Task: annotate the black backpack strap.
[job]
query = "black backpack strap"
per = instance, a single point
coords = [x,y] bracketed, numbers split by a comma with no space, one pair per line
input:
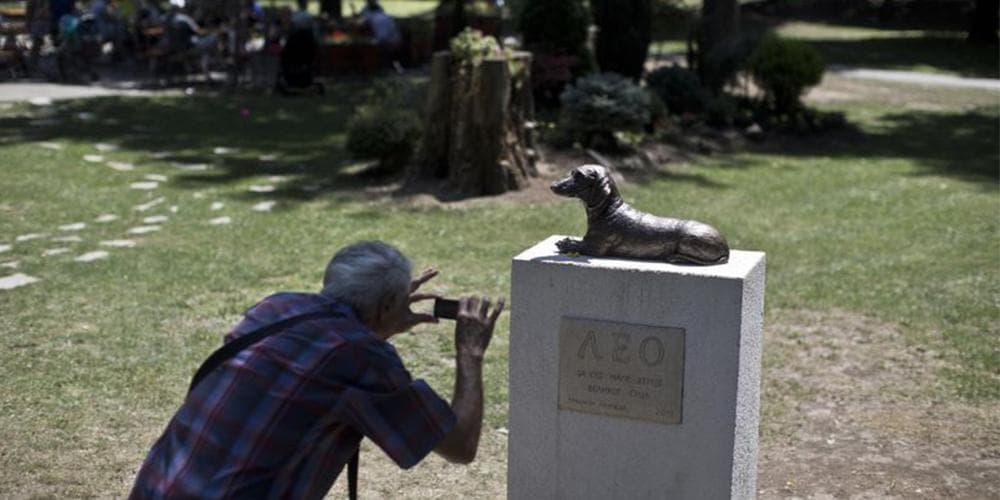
[352,475]
[243,341]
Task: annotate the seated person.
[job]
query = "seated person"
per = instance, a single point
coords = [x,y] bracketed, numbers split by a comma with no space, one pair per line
[383,26]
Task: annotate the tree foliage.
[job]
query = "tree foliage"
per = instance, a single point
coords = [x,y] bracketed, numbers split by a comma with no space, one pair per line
[623,36]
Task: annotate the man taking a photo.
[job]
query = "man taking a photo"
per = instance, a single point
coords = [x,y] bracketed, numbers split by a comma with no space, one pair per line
[282,417]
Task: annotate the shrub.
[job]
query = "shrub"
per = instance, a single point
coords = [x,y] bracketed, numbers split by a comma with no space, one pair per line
[470,46]
[672,19]
[783,69]
[555,26]
[624,30]
[679,88]
[600,104]
[385,129]
[555,31]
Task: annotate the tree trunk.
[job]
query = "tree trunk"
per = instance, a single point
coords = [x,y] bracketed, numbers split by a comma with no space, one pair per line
[477,133]
[331,8]
[720,27]
[624,31]
[985,22]
[432,157]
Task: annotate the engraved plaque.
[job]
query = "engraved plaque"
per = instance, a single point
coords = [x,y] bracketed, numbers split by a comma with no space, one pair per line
[621,370]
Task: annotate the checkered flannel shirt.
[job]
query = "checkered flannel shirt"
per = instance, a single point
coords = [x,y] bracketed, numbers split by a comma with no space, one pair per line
[282,418]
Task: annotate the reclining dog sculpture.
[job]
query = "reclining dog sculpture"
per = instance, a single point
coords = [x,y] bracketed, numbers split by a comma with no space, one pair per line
[615,229]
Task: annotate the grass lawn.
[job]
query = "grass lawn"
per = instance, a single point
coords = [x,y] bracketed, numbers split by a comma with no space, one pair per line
[896,220]
[924,51]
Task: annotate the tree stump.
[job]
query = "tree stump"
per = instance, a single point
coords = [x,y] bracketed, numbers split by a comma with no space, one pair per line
[478,125]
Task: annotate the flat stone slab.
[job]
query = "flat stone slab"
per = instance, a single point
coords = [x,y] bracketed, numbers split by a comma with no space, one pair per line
[55,251]
[121,166]
[30,236]
[150,204]
[16,280]
[264,206]
[119,243]
[145,185]
[143,229]
[218,221]
[92,256]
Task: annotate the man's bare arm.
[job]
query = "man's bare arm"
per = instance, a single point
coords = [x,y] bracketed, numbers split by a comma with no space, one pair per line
[473,331]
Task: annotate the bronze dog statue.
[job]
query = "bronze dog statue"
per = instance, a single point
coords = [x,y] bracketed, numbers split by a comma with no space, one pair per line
[615,229]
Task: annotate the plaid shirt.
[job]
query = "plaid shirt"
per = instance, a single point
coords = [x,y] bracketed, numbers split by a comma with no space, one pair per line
[281,418]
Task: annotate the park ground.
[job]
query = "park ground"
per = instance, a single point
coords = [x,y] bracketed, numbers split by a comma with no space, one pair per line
[882,336]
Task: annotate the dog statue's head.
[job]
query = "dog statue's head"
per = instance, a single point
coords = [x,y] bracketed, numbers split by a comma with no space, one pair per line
[592,184]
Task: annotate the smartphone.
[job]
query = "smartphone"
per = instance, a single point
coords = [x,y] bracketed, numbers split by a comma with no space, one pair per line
[445,308]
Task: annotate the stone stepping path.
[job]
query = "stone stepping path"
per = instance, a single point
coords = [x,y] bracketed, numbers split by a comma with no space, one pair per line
[149,224]
[16,280]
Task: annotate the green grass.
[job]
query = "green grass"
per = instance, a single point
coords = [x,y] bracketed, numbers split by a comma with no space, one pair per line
[897,220]
[911,50]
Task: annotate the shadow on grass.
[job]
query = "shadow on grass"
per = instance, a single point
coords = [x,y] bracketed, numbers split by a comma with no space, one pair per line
[960,145]
[300,138]
[937,52]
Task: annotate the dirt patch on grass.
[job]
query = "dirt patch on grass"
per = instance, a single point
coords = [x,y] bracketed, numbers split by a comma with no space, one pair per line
[379,477]
[851,410]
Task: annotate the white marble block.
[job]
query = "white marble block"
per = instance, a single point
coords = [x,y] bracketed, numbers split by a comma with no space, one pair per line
[633,379]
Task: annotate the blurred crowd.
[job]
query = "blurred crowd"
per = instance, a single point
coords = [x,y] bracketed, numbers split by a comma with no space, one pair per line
[239,39]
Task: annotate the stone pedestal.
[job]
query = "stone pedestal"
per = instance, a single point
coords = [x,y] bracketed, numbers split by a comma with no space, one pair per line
[633,379]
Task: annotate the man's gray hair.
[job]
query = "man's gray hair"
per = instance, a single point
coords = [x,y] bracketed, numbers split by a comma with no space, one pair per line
[362,275]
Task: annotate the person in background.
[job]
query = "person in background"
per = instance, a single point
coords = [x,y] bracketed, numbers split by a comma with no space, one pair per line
[383,27]
[58,9]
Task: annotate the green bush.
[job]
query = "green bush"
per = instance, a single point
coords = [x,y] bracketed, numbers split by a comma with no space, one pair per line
[783,69]
[603,103]
[555,31]
[556,27]
[385,129]
[679,88]
[672,19]
[470,46]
